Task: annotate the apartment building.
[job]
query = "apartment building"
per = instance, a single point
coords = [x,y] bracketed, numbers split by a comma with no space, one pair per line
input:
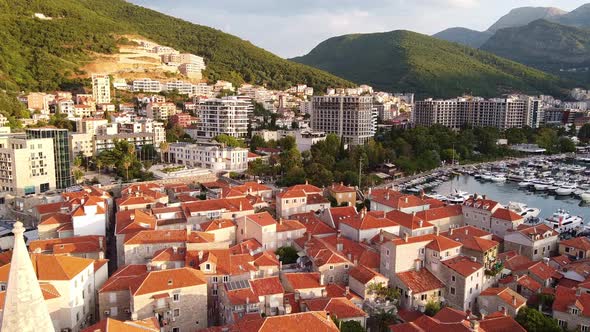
[27,166]
[39,101]
[61,153]
[501,113]
[160,111]
[182,119]
[213,156]
[101,88]
[349,117]
[146,85]
[534,242]
[270,233]
[300,198]
[228,115]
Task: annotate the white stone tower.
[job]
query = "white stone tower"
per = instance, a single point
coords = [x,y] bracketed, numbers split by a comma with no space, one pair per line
[24,307]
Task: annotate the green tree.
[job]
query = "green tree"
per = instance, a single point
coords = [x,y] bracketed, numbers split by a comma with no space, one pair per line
[584,133]
[566,145]
[230,141]
[432,308]
[290,159]
[348,326]
[256,142]
[383,292]
[534,321]
[287,255]
[547,138]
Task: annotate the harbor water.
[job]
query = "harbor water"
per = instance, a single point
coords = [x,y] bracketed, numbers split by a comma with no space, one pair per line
[510,192]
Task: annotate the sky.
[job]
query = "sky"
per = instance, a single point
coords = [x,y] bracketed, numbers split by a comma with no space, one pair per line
[293,28]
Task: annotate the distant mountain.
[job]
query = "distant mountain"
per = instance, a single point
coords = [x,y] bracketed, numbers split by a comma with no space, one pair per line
[47,54]
[579,17]
[525,15]
[464,36]
[515,18]
[408,61]
[544,45]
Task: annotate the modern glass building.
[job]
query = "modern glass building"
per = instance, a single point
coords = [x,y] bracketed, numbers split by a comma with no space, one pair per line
[61,150]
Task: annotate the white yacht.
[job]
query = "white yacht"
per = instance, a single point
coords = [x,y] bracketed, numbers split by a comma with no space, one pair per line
[458,197]
[499,177]
[585,196]
[542,185]
[566,189]
[487,176]
[523,210]
[561,221]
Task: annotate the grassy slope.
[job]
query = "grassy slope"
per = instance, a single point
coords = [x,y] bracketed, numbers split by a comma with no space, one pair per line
[39,55]
[407,61]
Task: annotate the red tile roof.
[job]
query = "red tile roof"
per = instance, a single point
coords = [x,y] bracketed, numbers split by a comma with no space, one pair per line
[460,233]
[365,221]
[507,295]
[505,214]
[262,219]
[440,213]
[313,224]
[420,281]
[164,280]
[479,244]
[341,188]
[227,204]
[51,267]
[441,243]
[407,220]
[500,324]
[541,270]
[486,204]
[241,296]
[463,265]
[78,244]
[363,274]
[580,243]
[450,315]
[217,224]
[303,280]
[395,199]
[113,325]
[123,278]
[566,297]
[245,246]
[156,236]
[341,308]
[267,286]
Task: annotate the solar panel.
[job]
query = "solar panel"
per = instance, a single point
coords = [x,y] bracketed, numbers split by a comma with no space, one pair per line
[241,284]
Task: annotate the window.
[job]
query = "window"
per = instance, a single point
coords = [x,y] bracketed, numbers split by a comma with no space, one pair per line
[176,297]
[176,329]
[434,253]
[584,328]
[176,312]
[214,292]
[470,290]
[562,323]
[423,297]
[346,266]
[453,290]
[215,279]
[207,267]
[453,278]
[387,252]
[331,267]
[575,311]
[536,251]
[225,278]
[421,251]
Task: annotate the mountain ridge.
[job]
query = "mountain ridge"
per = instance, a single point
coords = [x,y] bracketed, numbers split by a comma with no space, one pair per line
[407,61]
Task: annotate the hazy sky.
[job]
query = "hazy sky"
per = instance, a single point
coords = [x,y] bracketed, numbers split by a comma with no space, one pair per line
[291,28]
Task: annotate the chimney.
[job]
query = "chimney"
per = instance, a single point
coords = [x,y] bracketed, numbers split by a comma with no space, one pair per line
[406,199]
[387,196]
[363,212]
[437,231]
[483,316]
[240,205]
[370,191]
[200,255]
[420,223]
[328,316]
[339,234]
[466,231]
[100,255]
[101,242]
[306,182]
[546,260]
[381,236]
[280,221]
[406,236]
[280,266]
[513,300]
[417,265]
[308,236]
[339,246]
[451,231]
[322,281]
[349,255]
[188,230]
[346,290]
[474,325]
[473,259]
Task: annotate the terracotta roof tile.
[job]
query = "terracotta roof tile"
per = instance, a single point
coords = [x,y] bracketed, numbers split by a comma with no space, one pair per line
[363,274]
[580,243]
[395,199]
[303,280]
[163,280]
[441,243]
[341,308]
[267,286]
[156,236]
[505,214]
[463,265]
[440,213]
[507,295]
[420,281]
[407,220]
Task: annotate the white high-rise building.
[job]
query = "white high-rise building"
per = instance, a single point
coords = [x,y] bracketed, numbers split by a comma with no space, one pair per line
[349,117]
[228,115]
[101,88]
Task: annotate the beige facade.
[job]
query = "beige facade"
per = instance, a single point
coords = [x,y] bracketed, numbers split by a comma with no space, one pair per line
[82,144]
[27,166]
[534,246]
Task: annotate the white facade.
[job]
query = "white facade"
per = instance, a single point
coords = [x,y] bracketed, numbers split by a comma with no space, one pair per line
[228,115]
[210,156]
[146,85]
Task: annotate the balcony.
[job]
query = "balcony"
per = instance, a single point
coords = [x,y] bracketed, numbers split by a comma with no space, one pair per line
[161,308]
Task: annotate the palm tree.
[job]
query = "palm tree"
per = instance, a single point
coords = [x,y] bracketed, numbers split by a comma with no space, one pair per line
[127,164]
[164,148]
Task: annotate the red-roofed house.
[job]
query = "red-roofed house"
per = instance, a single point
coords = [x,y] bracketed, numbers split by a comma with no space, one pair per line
[305,285]
[576,248]
[339,307]
[230,208]
[266,230]
[504,220]
[313,224]
[476,243]
[89,246]
[464,277]
[389,200]
[299,199]
[443,217]
[410,224]
[364,225]
[417,288]
[344,195]
[534,242]
[571,309]
[478,212]
[90,218]
[361,279]
[500,299]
